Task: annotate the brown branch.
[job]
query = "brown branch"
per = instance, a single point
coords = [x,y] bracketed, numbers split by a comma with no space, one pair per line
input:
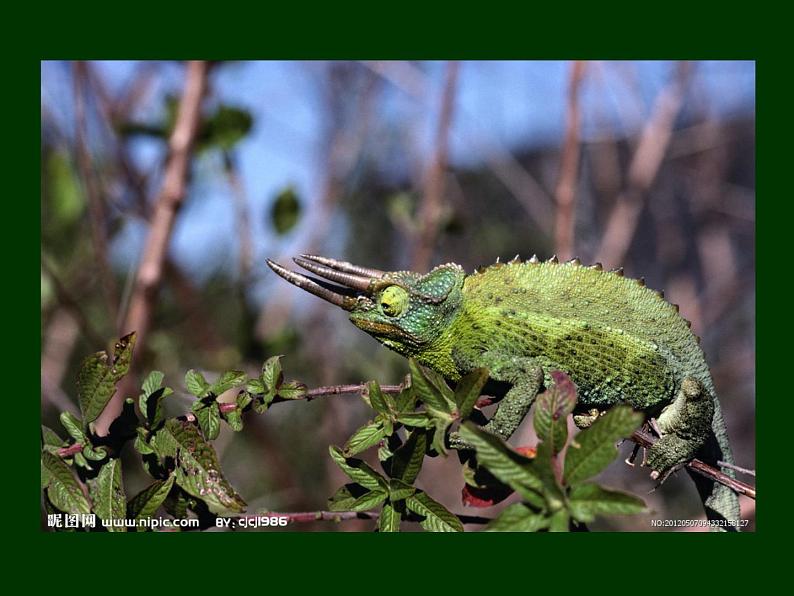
[150,271]
[646,440]
[565,194]
[431,209]
[645,164]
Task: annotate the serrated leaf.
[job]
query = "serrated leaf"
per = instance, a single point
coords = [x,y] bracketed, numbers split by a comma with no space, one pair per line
[365,437]
[272,377]
[97,454]
[234,418]
[552,409]
[63,489]
[151,398]
[209,420]
[142,442]
[560,521]
[99,373]
[148,501]
[416,419]
[74,427]
[358,470]
[439,442]
[292,390]
[51,439]
[255,386]
[505,464]
[518,518]
[594,448]
[382,403]
[107,494]
[196,384]
[368,500]
[229,380]
[399,490]
[429,387]
[405,401]
[468,390]
[436,517]
[344,497]
[408,458]
[198,471]
[588,500]
[389,520]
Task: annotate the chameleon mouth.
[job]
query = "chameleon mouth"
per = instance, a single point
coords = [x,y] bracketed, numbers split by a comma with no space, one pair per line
[351,285]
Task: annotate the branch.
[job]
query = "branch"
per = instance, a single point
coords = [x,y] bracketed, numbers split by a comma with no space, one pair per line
[569,168]
[169,201]
[646,440]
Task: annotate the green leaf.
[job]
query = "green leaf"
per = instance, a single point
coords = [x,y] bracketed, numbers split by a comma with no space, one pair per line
[285,211]
[148,501]
[51,439]
[196,383]
[436,516]
[151,398]
[255,386]
[234,418]
[505,464]
[63,489]
[439,442]
[432,390]
[416,419]
[518,518]
[292,390]
[368,500]
[96,381]
[74,427]
[560,521]
[107,493]
[343,498]
[198,471]
[380,402]
[588,500]
[468,390]
[142,442]
[389,520]
[229,380]
[408,458]
[209,420]
[365,437]
[405,401]
[358,471]
[552,409]
[594,448]
[272,377]
[399,490]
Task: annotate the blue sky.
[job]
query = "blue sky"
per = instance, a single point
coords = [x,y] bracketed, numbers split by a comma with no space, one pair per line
[499,104]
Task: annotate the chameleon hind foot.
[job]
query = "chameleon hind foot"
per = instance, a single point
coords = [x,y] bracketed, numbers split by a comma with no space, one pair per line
[684,426]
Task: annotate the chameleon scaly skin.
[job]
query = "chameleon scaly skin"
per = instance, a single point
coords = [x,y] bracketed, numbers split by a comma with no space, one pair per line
[619,341]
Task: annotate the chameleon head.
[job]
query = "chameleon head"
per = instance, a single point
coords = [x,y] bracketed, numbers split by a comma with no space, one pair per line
[403,310]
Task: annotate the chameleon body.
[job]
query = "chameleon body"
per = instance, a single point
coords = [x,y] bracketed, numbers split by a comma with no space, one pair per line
[619,341]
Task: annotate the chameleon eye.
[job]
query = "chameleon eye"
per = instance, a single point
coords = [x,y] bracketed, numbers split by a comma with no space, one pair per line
[393,301]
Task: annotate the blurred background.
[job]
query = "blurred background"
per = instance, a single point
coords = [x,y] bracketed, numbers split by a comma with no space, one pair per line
[165,185]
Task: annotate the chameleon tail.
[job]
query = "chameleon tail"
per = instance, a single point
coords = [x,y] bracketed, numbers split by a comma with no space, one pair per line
[719,501]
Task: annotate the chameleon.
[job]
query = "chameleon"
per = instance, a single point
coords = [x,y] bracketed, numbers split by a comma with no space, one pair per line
[618,340]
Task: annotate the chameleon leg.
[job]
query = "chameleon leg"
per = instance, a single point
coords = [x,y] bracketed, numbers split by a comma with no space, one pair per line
[526,378]
[685,424]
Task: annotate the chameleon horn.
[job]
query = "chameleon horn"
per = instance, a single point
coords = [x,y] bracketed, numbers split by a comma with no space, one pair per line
[311,286]
[344,266]
[357,282]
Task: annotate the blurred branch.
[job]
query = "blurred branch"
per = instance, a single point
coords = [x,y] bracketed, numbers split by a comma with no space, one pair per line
[645,164]
[96,206]
[431,209]
[565,194]
[167,205]
[243,217]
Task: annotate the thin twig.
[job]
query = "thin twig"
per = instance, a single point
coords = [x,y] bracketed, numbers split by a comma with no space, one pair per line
[432,207]
[741,470]
[172,193]
[645,164]
[569,168]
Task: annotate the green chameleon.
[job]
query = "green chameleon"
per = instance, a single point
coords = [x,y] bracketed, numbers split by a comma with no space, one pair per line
[619,341]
